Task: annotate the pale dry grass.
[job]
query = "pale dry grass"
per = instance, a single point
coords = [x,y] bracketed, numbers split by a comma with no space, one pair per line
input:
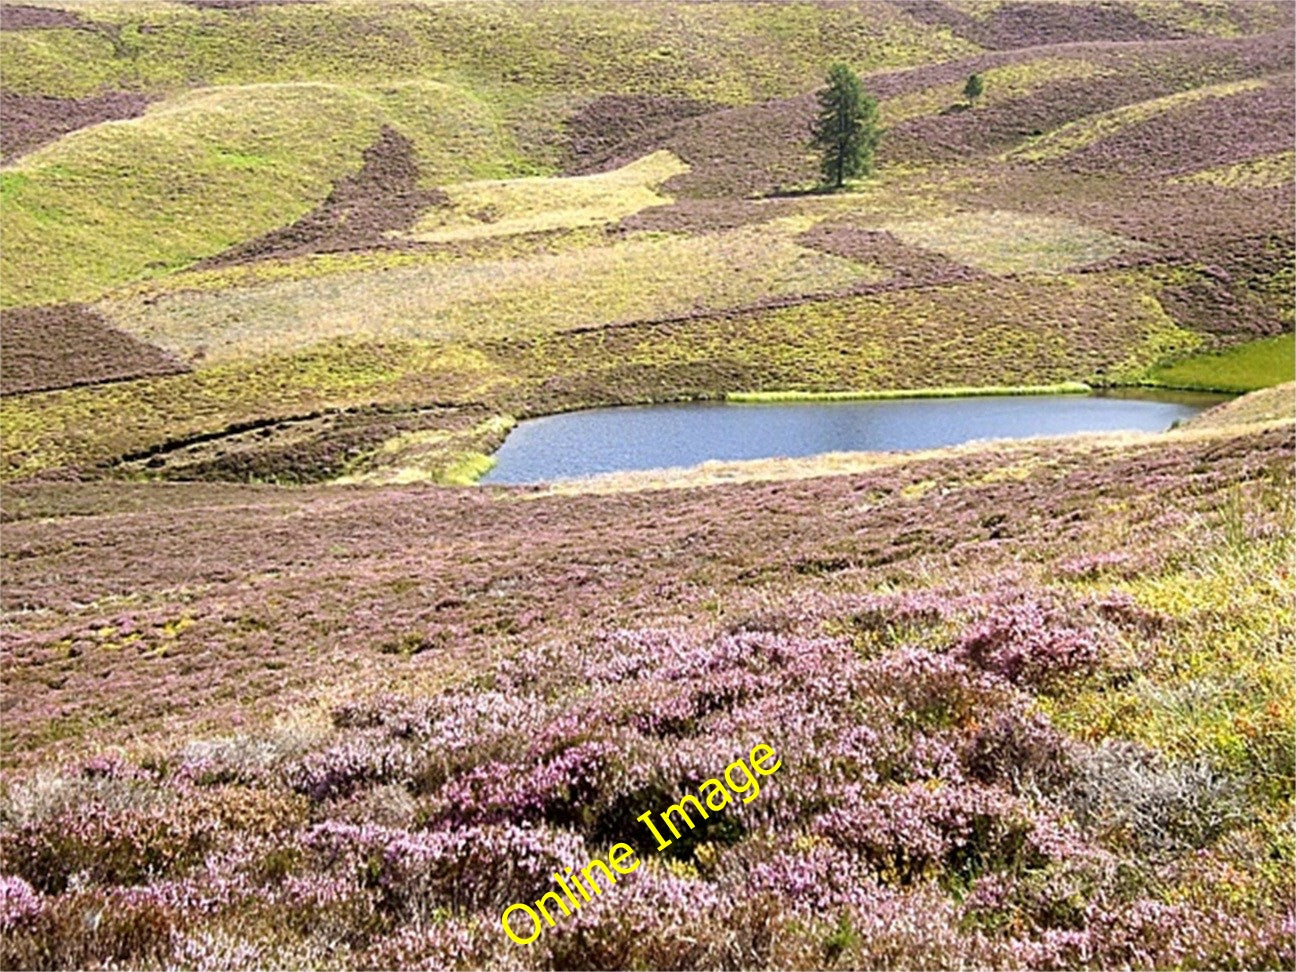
[1265,172]
[643,277]
[1275,404]
[507,207]
[1002,242]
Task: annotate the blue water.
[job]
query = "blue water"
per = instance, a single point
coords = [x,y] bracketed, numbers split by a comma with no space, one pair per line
[657,436]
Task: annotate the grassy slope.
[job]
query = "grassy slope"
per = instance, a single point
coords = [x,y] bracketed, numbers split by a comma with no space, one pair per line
[992,333]
[203,171]
[491,300]
[721,52]
[209,169]
[517,65]
[1085,132]
[635,279]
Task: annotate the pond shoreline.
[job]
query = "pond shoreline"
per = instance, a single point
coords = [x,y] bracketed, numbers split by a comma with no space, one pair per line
[797,424]
[952,391]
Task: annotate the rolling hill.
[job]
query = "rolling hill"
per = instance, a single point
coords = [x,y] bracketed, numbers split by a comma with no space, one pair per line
[472,204]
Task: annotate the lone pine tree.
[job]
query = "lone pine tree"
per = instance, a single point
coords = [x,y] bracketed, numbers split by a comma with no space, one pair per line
[846,128]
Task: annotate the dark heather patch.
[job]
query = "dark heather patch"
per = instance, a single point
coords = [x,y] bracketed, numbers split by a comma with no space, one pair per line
[381,197]
[29,121]
[1235,244]
[1243,293]
[599,128]
[751,150]
[1155,68]
[1147,72]
[220,4]
[953,136]
[62,345]
[908,265]
[1197,136]
[22,17]
[1165,66]
[242,5]
[695,216]
[1138,72]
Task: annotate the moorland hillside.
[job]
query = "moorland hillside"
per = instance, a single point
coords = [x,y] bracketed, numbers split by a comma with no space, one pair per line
[296,242]
[279,692]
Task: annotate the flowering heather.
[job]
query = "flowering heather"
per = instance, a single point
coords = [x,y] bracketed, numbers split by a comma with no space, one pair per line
[983,758]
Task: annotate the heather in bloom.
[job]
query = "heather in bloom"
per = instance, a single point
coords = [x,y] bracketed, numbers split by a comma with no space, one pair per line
[992,752]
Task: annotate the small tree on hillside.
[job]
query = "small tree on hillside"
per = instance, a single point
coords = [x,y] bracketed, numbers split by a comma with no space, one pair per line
[972,90]
[846,128]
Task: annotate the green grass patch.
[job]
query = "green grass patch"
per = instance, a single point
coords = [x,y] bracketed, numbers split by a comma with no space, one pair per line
[467,470]
[1247,367]
[1061,388]
[1217,682]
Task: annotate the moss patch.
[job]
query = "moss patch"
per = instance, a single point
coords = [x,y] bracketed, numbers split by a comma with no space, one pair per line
[1257,364]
